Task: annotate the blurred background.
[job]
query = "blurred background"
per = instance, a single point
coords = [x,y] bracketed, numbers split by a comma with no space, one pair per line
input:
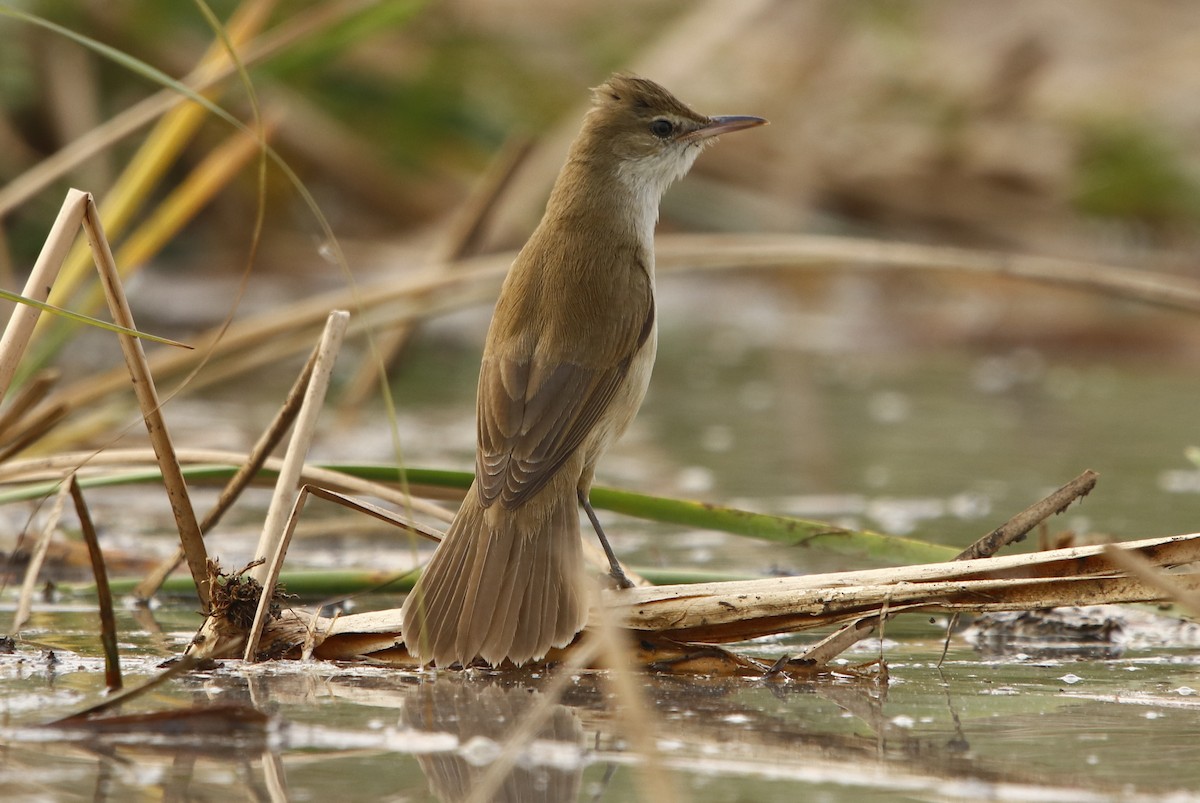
[910,402]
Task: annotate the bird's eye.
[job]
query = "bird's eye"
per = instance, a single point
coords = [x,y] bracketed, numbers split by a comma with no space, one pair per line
[662,128]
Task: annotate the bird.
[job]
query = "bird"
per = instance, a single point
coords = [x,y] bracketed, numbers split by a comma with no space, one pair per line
[565,367]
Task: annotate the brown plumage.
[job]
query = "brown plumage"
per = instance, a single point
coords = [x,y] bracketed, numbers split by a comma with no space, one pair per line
[565,367]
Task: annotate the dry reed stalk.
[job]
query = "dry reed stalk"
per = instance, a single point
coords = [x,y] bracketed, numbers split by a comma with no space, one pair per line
[275,776]
[721,612]
[736,611]
[286,486]
[270,577]
[457,241]
[37,557]
[275,564]
[37,425]
[408,298]
[1012,530]
[246,473]
[723,251]
[29,395]
[108,621]
[377,512]
[24,318]
[1019,525]
[477,280]
[147,396]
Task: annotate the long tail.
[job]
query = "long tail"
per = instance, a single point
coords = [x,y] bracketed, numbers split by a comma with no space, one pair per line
[503,584]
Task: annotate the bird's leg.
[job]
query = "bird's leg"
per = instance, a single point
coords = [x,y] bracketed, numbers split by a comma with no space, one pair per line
[614,566]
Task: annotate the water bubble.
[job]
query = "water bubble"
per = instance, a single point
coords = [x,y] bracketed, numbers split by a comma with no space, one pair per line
[889,407]
[480,751]
[328,252]
[695,479]
[717,438]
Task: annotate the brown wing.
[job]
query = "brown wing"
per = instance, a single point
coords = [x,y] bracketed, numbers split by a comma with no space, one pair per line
[527,432]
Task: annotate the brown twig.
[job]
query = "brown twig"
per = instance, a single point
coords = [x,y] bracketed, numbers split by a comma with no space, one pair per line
[245,474]
[184,664]
[383,514]
[1019,525]
[108,621]
[1012,530]
[147,396]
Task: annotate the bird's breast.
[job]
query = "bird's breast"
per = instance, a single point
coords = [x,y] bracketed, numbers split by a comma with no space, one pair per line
[627,399]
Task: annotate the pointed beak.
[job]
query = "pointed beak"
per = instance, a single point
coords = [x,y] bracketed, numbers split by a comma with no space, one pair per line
[722,125]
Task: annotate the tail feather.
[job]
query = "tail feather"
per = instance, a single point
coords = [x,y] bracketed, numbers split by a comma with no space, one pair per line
[495,632]
[503,584]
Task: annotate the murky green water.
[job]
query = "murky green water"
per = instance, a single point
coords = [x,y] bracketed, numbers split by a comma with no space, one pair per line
[1019,729]
[866,404]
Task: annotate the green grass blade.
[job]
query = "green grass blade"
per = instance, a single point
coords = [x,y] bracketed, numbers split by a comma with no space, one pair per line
[90,321]
[784,530]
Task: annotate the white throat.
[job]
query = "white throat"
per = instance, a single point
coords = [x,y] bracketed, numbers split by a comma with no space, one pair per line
[647,179]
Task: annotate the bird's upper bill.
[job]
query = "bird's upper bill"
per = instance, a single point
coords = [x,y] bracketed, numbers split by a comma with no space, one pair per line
[717,126]
[721,125]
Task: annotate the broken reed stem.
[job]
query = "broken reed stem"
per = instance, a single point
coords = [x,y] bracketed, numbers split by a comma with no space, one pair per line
[1016,528]
[271,577]
[277,531]
[54,251]
[245,474]
[37,558]
[840,640]
[283,500]
[1019,525]
[108,621]
[147,396]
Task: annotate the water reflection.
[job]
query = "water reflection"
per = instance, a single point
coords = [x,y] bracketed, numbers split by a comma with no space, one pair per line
[371,732]
[485,718]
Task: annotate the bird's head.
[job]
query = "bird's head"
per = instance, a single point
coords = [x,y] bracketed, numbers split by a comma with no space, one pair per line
[649,136]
